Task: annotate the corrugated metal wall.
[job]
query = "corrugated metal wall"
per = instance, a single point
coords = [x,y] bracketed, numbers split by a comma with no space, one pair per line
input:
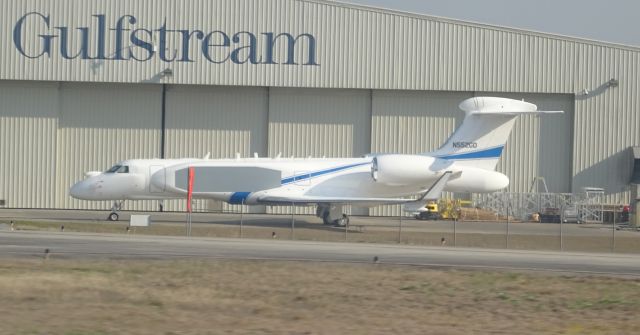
[539,146]
[407,51]
[222,121]
[28,123]
[101,124]
[606,120]
[318,123]
[311,122]
[412,122]
[356,48]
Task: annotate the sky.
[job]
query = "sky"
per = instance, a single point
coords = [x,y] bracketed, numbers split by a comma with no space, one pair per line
[615,21]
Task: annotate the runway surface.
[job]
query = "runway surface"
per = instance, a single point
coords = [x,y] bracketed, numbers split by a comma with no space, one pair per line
[81,245]
[371,223]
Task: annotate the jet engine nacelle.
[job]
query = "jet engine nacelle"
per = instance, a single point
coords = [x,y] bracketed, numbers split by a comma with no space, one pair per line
[398,170]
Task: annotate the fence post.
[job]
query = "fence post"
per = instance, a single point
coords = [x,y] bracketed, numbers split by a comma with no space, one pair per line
[293,221]
[561,221]
[507,234]
[241,216]
[400,226]
[455,220]
[613,230]
[346,229]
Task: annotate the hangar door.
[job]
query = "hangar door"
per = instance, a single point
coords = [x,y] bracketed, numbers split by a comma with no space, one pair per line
[28,123]
[101,124]
[540,146]
[412,122]
[219,120]
[318,122]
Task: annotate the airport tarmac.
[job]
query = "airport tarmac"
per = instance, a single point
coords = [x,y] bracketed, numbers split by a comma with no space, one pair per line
[104,246]
[371,223]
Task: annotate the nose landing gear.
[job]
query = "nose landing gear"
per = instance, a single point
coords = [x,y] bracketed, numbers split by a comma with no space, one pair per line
[117,206]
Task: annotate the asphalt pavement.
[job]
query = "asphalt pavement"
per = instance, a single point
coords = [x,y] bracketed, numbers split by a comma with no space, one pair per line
[371,223]
[106,246]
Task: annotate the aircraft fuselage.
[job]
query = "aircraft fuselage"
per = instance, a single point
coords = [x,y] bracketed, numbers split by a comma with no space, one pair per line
[248,180]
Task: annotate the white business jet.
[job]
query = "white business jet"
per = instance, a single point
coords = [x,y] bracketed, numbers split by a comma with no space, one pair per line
[465,163]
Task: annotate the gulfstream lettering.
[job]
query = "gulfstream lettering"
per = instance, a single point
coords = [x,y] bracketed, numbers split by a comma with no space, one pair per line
[131,42]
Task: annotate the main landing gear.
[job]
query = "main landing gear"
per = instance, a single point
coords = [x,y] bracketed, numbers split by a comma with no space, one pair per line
[332,215]
[113,216]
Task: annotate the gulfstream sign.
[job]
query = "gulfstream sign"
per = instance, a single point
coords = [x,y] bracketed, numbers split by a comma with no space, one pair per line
[130,42]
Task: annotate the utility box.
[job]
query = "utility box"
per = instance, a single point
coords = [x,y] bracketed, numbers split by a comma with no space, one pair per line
[140,221]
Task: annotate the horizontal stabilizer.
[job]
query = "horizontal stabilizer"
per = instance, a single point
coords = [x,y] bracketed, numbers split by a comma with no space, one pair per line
[435,191]
[513,113]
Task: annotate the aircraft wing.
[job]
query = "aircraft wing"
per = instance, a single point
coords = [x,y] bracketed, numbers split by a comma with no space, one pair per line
[308,200]
[433,192]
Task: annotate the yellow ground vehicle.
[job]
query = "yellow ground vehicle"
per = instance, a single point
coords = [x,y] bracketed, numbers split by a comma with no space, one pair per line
[443,210]
[431,213]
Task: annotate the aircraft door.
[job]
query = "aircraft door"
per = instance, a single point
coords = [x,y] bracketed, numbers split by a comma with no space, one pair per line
[157,179]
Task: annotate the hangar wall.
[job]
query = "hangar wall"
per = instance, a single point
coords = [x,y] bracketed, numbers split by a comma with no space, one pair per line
[540,146]
[221,121]
[318,123]
[98,125]
[28,123]
[340,47]
[92,126]
[412,122]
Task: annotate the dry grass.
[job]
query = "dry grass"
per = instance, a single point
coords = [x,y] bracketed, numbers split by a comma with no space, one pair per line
[318,232]
[248,297]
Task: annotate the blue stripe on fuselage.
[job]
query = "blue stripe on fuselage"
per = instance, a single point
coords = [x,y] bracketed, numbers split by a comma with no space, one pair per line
[239,197]
[486,153]
[305,176]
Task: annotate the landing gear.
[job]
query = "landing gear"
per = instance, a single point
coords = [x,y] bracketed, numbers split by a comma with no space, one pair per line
[343,221]
[332,215]
[113,216]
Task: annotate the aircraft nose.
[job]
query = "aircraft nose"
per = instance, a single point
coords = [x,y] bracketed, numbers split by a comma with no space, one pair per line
[79,190]
[75,190]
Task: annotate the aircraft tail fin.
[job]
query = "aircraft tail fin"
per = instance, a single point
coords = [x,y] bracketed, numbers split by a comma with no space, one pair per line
[481,138]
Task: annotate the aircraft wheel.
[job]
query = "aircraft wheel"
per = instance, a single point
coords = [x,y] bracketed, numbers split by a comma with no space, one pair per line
[113,217]
[343,221]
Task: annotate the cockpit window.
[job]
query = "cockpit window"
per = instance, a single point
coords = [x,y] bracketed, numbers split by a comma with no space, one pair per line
[114,169]
[118,169]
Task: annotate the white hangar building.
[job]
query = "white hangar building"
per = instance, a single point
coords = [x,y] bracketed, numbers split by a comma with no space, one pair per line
[86,83]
